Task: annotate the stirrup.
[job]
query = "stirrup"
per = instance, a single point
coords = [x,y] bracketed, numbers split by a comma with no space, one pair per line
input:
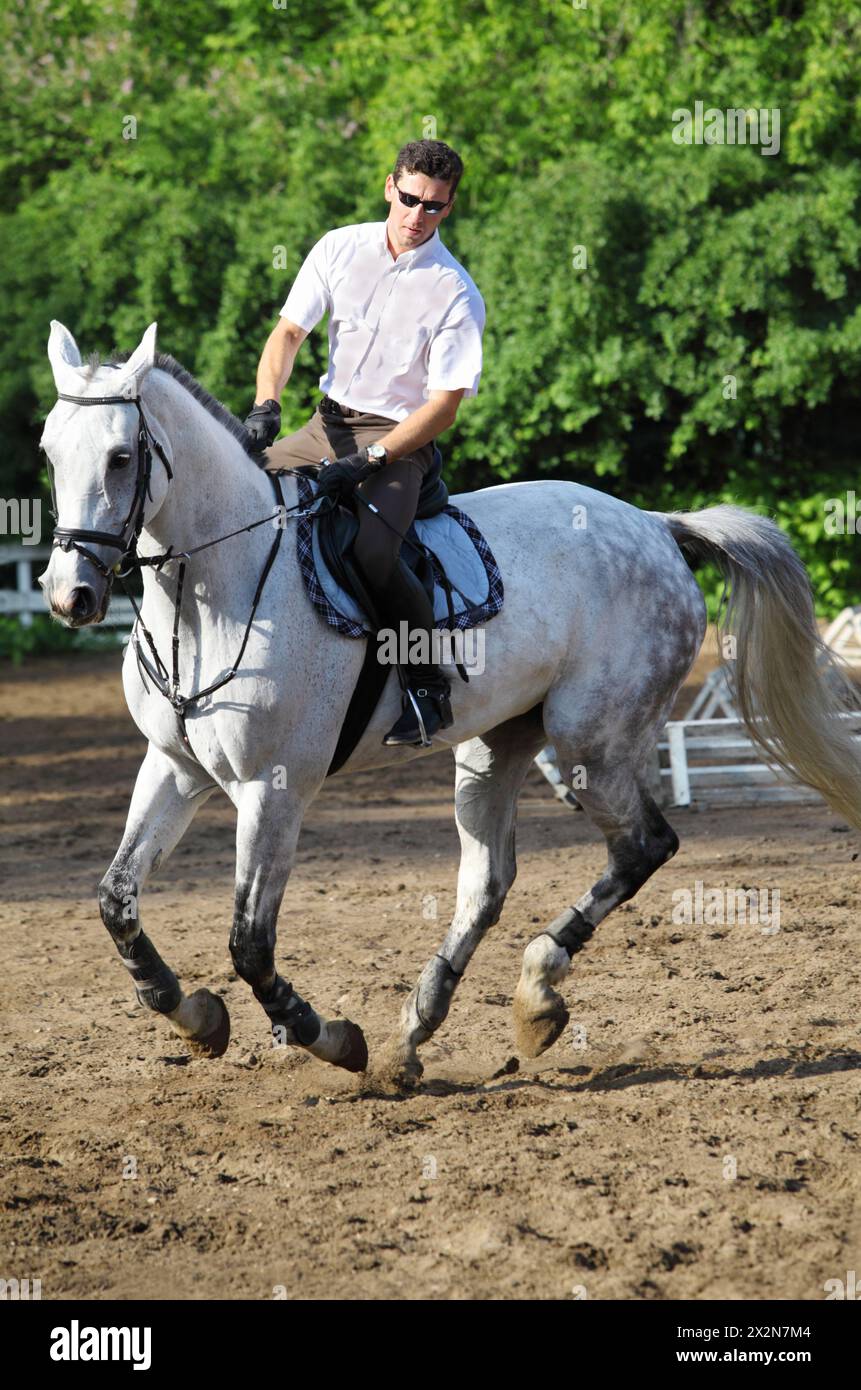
[417,710]
[404,730]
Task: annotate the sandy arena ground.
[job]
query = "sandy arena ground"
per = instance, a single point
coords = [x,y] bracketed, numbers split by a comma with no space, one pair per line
[697,1136]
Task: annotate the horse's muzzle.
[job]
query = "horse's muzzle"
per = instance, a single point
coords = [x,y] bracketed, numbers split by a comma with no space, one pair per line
[78,606]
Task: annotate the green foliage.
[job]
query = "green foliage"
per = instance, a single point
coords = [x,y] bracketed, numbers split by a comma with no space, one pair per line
[44,635]
[709,348]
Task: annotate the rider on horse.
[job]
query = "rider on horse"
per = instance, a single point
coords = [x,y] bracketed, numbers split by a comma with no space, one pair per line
[405,332]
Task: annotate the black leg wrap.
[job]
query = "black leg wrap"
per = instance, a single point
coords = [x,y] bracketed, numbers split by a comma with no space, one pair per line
[437,985]
[155,984]
[286,1009]
[571,930]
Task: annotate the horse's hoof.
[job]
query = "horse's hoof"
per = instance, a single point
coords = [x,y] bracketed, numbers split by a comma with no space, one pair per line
[405,1075]
[213,1034]
[353,1050]
[393,1068]
[534,1033]
[409,1075]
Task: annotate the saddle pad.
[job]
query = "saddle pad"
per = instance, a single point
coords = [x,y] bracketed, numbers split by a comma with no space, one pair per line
[456,544]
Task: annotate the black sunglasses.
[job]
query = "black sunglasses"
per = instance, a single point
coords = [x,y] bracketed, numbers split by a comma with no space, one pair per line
[410,201]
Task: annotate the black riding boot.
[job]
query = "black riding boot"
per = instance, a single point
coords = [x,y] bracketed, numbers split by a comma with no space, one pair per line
[426,707]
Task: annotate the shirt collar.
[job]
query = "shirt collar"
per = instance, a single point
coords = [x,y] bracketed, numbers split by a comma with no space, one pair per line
[427,248]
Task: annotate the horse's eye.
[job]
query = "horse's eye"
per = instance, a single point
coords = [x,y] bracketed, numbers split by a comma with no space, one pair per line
[118,460]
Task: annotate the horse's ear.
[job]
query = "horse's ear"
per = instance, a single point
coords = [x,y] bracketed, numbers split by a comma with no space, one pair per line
[64,358]
[139,364]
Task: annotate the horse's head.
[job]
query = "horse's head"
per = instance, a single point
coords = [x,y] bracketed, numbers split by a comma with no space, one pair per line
[111,469]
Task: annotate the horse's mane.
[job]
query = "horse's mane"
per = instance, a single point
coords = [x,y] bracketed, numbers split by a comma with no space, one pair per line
[166,363]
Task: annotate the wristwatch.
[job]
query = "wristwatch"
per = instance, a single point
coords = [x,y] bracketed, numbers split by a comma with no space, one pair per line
[376,455]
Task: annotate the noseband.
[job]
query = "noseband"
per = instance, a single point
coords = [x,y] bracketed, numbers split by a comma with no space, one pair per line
[125,540]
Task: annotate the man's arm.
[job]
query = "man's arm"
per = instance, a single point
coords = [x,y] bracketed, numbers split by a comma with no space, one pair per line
[276,362]
[431,419]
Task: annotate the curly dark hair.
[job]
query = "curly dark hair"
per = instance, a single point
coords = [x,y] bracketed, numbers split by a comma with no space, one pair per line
[431,157]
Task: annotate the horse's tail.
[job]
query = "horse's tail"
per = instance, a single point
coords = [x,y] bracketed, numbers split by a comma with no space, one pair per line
[787,684]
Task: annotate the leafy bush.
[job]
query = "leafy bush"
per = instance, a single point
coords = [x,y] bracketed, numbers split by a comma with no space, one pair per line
[44,635]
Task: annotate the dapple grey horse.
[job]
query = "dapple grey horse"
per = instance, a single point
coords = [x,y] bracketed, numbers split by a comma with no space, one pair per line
[601,622]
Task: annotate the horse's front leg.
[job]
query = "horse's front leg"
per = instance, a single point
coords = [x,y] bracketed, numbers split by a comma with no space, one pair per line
[166,797]
[267,831]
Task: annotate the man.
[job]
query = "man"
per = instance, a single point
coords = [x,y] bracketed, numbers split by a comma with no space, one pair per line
[405,326]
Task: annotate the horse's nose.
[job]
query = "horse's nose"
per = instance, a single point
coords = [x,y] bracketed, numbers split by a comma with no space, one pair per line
[78,605]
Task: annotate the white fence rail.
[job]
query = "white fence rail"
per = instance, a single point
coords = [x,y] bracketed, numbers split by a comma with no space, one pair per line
[844,635]
[715,762]
[708,762]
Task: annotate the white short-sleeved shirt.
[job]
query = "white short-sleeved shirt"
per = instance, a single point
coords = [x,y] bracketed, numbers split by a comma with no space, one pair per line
[398,329]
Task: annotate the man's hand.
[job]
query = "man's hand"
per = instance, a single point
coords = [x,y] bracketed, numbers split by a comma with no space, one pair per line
[263,424]
[341,478]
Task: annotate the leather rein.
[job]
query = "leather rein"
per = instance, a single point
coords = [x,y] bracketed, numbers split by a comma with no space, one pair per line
[125,541]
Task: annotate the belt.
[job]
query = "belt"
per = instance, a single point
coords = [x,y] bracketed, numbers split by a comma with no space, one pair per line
[330,407]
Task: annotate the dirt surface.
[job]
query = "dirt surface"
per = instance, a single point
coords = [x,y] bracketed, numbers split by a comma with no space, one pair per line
[693,1134]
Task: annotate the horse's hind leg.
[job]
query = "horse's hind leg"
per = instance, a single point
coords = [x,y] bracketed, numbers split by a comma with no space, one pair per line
[489,774]
[266,834]
[639,840]
[166,797]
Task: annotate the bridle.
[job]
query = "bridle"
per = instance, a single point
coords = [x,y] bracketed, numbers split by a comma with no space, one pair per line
[125,541]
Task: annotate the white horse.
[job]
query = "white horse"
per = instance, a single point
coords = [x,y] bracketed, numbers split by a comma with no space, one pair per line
[601,623]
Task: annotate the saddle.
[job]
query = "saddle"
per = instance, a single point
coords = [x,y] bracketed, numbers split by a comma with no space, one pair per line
[337,530]
[336,587]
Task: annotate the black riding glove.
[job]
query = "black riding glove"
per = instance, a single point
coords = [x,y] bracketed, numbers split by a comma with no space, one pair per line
[341,478]
[263,424]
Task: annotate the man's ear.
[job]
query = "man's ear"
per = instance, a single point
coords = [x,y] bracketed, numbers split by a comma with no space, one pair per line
[390,188]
